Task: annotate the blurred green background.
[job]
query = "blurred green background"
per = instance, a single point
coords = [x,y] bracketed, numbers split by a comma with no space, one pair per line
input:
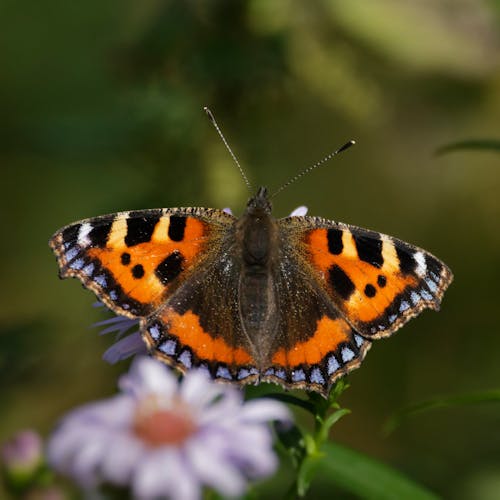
[102,110]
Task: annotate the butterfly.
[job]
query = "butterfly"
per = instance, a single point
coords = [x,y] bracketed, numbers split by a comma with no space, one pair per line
[295,301]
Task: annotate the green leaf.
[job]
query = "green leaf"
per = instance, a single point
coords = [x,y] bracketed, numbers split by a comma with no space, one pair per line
[336,391]
[470,145]
[367,478]
[307,472]
[442,402]
[332,419]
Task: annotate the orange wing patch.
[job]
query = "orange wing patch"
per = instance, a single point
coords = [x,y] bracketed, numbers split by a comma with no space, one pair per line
[130,260]
[145,270]
[330,333]
[187,331]
[333,350]
[376,281]
[361,289]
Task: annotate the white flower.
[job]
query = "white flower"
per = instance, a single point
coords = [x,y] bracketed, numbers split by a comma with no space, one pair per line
[162,438]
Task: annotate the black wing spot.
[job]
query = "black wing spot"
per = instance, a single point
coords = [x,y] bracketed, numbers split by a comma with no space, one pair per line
[70,234]
[381,280]
[434,267]
[407,264]
[370,290]
[340,282]
[170,268]
[335,245]
[98,235]
[138,271]
[125,258]
[140,227]
[176,227]
[369,248]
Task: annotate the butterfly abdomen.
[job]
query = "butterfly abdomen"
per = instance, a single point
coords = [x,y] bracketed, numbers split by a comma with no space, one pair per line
[256,238]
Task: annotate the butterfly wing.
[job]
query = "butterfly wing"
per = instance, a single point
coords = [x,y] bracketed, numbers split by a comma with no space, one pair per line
[200,324]
[314,344]
[174,269]
[339,287]
[133,260]
[375,281]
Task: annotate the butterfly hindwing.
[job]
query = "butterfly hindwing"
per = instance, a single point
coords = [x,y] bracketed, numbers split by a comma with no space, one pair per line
[199,324]
[132,260]
[376,282]
[313,344]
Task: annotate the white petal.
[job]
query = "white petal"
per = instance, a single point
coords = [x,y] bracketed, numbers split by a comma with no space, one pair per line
[84,423]
[152,478]
[116,324]
[264,410]
[115,411]
[198,390]
[126,347]
[112,320]
[226,408]
[252,448]
[214,471]
[249,445]
[247,449]
[61,445]
[186,485]
[299,211]
[147,376]
[86,461]
[121,457]
[195,386]
[162,474]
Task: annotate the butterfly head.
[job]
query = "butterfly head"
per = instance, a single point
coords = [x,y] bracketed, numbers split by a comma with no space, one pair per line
[260,203]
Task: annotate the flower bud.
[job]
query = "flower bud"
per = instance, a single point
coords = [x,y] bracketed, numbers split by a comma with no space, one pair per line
[21,457]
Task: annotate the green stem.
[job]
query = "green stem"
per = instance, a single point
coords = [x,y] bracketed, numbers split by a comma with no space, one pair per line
[327,412]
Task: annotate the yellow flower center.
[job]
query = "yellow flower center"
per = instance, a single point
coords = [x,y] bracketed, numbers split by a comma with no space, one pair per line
[158,424]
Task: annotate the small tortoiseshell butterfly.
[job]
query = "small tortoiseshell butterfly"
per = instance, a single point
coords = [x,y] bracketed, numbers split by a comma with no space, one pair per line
[295,301]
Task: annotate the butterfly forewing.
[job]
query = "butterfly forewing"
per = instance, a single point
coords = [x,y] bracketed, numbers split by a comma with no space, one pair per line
[132,260]
[377,282]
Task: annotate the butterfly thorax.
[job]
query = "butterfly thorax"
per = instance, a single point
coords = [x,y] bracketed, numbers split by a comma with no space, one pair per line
[257,231]
[257,241]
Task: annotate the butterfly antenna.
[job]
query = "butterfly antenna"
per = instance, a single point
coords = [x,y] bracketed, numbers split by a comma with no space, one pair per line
[233,156]
[347,145]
